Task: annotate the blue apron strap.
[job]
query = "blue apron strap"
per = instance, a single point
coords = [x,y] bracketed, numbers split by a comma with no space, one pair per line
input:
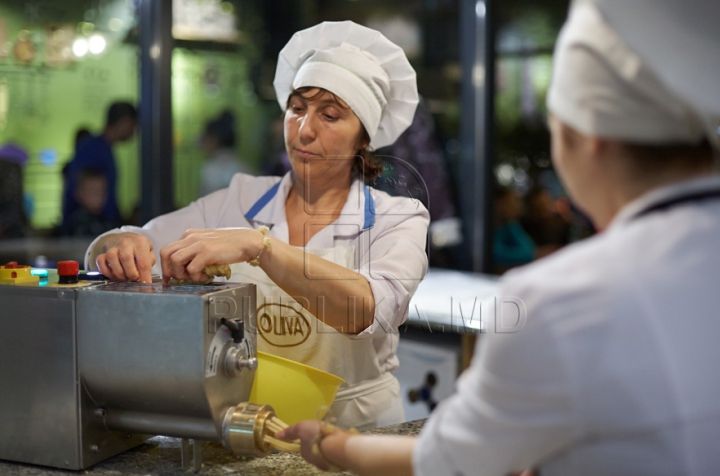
[369,209]
[262,201]
[368,222]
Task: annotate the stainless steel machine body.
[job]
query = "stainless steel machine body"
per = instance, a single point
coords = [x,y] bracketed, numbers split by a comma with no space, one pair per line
[89,372]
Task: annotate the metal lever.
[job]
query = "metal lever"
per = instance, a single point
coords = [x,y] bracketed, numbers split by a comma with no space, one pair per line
[237,328]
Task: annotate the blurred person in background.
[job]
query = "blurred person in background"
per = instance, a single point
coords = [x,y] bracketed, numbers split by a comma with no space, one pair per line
[415,167]
[615,369]
[82,134]
[221,160]
[542,221]
[96,152]
[91,196]
[511,246]
[13,222]
[276,161]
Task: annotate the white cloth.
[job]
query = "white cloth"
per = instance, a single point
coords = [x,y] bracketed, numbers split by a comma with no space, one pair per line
[602,88]
[615,372]
[390,254]
[362,67]
[219,169]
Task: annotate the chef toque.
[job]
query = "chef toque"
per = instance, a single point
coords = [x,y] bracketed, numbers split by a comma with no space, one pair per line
[603,88]
[360,66]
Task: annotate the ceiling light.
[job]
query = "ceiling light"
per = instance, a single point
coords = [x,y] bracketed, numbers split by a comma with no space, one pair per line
[97,44]
[80,47]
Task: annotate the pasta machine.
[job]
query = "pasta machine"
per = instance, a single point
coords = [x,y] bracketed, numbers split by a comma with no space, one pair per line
[89,369]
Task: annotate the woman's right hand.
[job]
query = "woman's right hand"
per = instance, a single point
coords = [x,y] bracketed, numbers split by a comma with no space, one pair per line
[127,257]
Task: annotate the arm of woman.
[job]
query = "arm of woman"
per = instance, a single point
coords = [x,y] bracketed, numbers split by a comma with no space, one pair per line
[376,455]
[131,253]
[372,299]
[341,293]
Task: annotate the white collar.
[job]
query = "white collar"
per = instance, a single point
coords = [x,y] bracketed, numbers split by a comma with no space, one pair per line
[662,194]
[358,211]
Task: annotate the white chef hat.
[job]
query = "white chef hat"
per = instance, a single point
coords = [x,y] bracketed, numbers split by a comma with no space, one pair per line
[359,65]
[603,88]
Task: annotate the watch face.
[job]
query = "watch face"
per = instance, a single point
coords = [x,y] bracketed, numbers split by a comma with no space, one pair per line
[24,51]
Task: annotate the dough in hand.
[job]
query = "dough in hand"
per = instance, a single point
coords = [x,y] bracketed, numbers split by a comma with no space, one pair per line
[211,271]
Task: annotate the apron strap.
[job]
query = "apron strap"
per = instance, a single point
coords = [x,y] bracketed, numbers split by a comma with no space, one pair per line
[262,201]
[368,221]
[369,209]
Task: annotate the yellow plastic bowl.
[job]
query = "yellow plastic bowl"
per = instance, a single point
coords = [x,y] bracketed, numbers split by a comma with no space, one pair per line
[296,391]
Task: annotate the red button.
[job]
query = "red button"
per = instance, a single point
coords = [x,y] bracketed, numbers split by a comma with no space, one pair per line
[11,265]
[68,268]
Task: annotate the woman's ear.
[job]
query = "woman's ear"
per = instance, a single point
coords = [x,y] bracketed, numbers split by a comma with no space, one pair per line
[362,143]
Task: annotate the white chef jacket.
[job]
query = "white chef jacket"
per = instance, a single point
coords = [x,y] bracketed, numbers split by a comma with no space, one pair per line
[388,233]
[616,369]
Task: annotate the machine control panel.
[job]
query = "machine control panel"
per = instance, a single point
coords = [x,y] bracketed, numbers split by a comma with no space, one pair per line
[17,275]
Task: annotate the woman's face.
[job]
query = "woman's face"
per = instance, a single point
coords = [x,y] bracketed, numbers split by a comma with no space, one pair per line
[321,136]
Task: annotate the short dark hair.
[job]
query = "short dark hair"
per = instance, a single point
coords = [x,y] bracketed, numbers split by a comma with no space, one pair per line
[223,128]
[80,136]
[119,110]
[89,173]
[646,157]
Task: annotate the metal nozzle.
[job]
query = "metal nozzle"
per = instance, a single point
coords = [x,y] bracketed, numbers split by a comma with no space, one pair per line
[244,428]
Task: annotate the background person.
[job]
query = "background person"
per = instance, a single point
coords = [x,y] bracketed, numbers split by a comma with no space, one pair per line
[91,196]
[96,152]
[82,134]
[350,256]
[614,371]
[512,246]
[415,167]
[221,161]
[13,222]
[542,221]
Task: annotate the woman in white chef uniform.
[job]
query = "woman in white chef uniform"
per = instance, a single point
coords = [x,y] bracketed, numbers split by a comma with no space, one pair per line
[350,256]
[615,371]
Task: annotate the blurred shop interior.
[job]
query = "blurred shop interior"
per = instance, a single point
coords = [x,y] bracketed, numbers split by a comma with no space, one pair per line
[477,153]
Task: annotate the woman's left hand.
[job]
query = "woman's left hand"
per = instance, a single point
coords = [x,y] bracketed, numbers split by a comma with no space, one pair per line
[186,258]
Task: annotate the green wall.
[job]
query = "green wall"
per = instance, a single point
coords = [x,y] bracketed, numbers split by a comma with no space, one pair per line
[46,105]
